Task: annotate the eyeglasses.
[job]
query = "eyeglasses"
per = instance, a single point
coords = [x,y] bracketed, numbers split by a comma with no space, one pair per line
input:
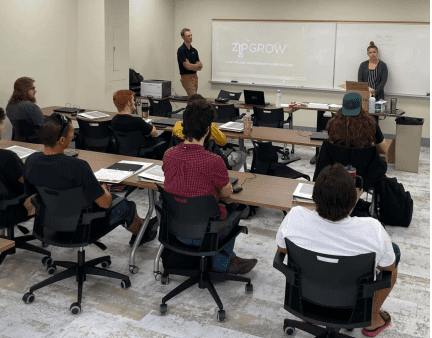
[64,122]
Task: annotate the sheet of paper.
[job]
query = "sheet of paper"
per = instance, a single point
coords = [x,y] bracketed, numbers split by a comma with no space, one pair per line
[21,151]
[154,173]
[304,190]
[93,115]
[236,126]
[335,105]
[147,120]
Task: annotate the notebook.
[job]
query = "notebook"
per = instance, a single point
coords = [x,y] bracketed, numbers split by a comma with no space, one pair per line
[68,110]
[120,171]
[303,193]
[155,173]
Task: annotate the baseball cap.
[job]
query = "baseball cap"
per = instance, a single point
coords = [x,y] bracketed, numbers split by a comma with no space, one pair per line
[351,104]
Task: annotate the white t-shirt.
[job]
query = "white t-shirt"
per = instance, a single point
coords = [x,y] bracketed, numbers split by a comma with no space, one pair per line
[350,236]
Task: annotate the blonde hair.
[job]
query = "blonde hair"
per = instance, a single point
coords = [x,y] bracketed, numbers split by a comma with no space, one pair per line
[184,30]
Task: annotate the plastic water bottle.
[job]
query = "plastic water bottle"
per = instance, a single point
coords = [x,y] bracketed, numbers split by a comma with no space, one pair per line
[278,98]
[371,105]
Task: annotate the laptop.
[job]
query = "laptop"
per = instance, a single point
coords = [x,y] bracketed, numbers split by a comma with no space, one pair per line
[254,98]
[165,122]
[69,110]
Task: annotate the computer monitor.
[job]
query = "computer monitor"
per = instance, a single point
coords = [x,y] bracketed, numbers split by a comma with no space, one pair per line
[254,97]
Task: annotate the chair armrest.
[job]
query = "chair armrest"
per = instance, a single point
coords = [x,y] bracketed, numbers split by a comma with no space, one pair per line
[278,264]
[14,201]
[384,283]
[227,152]
[151,148]
[88,217]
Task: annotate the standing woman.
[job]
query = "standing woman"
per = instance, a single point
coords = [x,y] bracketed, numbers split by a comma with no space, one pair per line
[374,72]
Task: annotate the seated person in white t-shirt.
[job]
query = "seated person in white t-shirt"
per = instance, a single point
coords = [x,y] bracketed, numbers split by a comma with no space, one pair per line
[330,230]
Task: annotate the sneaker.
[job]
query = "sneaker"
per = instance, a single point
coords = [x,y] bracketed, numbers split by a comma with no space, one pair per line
[240,266]
[149,234]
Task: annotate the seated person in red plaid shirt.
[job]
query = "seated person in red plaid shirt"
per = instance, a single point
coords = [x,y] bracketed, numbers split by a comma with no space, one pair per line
[192,171]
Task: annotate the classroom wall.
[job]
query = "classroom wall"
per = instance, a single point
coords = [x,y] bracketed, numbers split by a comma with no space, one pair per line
[152,38]
[198,14]
[39,40]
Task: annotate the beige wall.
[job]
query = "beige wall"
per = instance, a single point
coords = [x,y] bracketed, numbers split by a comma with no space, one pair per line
[198,14]
[153,39]
[39,39]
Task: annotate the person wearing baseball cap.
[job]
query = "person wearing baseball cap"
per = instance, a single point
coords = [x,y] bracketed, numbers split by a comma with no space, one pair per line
[351,126]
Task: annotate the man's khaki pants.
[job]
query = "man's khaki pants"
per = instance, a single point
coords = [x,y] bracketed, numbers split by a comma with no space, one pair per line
[190,83]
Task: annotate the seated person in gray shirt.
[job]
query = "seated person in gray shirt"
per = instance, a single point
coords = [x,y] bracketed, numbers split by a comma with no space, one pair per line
[22,105]
[53,169]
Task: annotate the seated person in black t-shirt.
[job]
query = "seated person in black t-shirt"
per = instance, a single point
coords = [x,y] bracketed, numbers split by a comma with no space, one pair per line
[124,121]
[12,177]
[351,126]
[53,169]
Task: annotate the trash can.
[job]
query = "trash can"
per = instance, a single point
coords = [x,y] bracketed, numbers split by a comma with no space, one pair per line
[408,139]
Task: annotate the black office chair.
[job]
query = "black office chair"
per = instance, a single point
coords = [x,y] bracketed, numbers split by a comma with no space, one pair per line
[25,131]
[273,118]
[163,107]
[227,112]
[93,135]
[64,219]
[333,291]
[134,143]
[196,218]
[235,96]
[13,212]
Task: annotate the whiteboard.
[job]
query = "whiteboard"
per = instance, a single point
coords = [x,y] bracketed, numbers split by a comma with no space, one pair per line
[276,53]
[405,48]
[319,55]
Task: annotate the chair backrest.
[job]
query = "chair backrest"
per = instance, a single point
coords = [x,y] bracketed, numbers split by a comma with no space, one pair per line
[264,154]
[94,135]
[187,217]
[129,142]
[367,161]
[265,117]
[60,210]
[25,131]
[229,95]
[160,107]
[225,112]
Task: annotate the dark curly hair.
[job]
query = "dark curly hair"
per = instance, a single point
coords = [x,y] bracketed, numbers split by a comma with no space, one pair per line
[2,115]
[352,131]
[334,193]
[197,119]
[21,89]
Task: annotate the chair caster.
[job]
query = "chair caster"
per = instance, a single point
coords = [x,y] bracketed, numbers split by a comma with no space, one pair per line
[106,264]
[51,269]
[125,283]
[289,330]
[133,269]
[292,151]
[44,245]
[249,288]
[47,260]
[165,279]
[163,309]
[28,297]
[221,315]
[75,308]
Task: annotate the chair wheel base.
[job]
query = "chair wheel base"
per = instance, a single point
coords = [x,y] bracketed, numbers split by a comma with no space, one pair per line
[289,330]
[75,308]
[28,297]
[125,283]
[47,260]
[163,309]
[249,288]
[221,315]
[133,269]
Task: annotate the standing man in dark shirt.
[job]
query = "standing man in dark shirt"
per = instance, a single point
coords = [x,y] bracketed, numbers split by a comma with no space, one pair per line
[189,63]
[22,105]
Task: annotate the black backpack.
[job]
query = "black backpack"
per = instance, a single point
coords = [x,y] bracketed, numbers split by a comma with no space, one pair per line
[394,204]
[135,78]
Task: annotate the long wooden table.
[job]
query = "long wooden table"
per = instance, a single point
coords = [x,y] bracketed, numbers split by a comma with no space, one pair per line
[258,190]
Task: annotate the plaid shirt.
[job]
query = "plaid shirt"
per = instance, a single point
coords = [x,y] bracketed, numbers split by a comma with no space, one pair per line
[192,171]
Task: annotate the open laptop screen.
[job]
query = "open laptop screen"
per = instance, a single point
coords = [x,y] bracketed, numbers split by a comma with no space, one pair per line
[254,97]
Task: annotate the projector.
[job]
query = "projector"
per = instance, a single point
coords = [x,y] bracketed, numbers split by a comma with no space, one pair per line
[156,88]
